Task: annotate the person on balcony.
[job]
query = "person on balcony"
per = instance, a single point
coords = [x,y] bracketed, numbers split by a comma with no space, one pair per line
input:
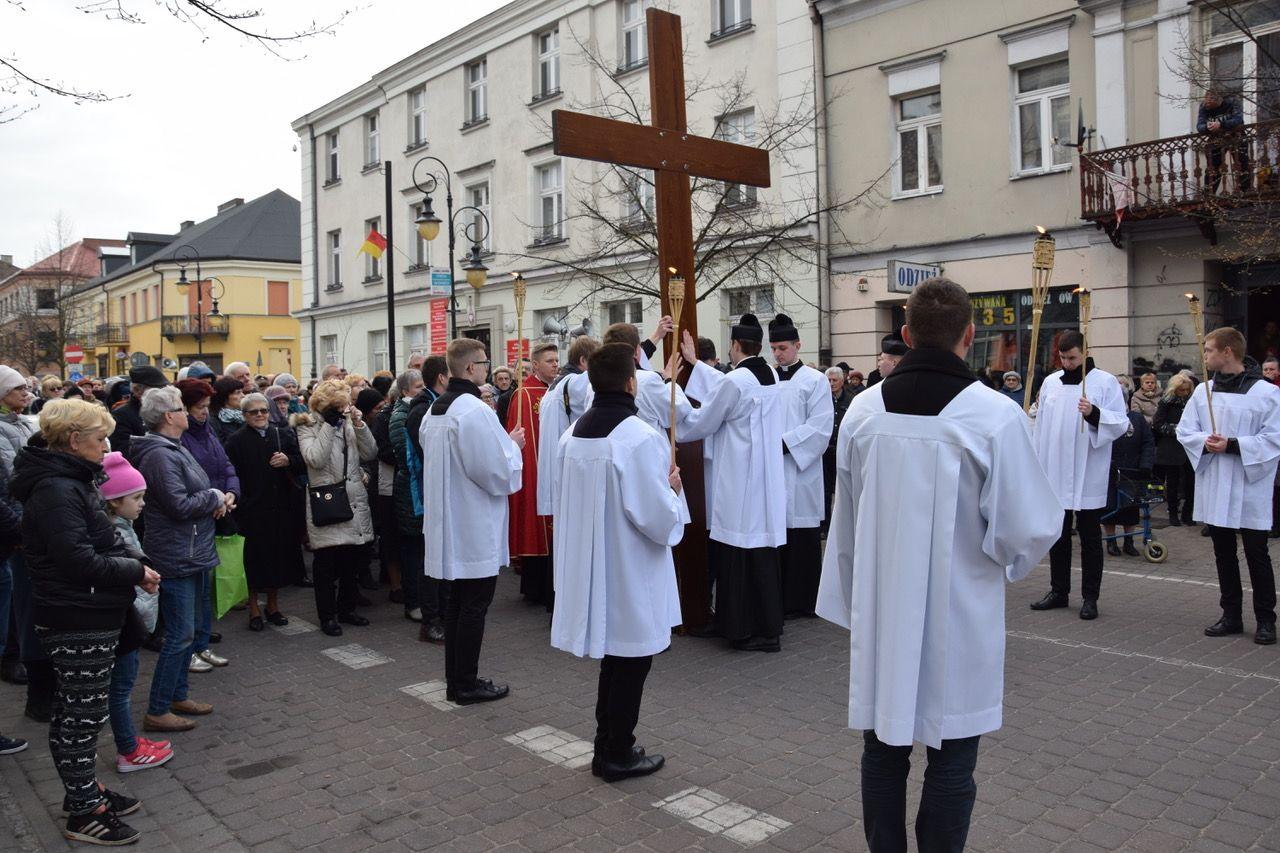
[1218,114]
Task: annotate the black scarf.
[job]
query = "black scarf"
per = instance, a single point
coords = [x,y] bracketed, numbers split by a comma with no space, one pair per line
[925,382]
[455,389]
[608,409]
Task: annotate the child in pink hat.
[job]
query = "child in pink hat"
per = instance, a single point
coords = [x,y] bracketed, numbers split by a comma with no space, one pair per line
[123,492]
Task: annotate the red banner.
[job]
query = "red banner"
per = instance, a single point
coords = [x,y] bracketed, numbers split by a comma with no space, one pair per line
[439,326]
[512,350]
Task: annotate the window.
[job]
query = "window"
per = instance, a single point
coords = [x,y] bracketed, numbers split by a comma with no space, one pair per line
[155,301]
[738,127]
[732,15]
[46,300]
[478,197]
[278,298]
[146,305]
[417,117]
[372,153]
[638,192]
[1247,67]
[133,308]
[372,265]
[625,312]
[1042,112]
[421,248]
[329,348]
[635,36]
[332,176]
[550,215]
[919,144]
[750,300]
[335,259]
[415,340]
[548,63]
[477,92]
[378,351]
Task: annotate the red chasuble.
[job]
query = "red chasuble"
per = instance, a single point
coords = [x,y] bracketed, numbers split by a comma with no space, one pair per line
[530,532]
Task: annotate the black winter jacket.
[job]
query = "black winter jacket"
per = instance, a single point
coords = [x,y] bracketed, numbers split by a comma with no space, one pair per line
[1169,450]
[82,572]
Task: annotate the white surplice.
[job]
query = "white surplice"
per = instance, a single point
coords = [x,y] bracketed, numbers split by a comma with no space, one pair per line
[563,404]
[746,484]
[1234,490]
[808,416]
[616,520]
[469,467]
[1078,463]
[931,516]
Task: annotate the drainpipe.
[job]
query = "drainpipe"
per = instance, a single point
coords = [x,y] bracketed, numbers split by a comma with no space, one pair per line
[822,185]
[315,253]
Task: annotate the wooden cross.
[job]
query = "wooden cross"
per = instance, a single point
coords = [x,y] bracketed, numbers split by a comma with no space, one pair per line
[675,156]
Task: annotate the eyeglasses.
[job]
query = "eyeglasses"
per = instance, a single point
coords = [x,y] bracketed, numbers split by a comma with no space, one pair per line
[255,411]
[485,362]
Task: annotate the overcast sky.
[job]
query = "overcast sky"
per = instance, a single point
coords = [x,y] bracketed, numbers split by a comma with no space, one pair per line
[205,120]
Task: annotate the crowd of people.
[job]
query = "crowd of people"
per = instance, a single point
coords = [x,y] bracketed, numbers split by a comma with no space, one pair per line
[120,499]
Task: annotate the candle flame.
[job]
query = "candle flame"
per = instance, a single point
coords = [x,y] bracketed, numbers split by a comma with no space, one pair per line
[673,271]
[1081,290]
[1042,229]
[1192,297]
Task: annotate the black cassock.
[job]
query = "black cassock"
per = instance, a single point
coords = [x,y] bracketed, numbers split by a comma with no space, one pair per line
[269,500]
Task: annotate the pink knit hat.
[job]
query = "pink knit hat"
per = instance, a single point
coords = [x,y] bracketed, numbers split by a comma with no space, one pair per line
[122,478]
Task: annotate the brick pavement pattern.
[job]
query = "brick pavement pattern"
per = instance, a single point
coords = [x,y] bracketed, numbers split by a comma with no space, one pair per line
[1134,732]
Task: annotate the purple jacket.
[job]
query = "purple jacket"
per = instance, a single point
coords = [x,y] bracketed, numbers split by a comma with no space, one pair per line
[202,443]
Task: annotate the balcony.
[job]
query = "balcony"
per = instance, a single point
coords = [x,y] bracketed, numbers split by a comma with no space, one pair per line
[1200,176]
[189,325]
[109,334]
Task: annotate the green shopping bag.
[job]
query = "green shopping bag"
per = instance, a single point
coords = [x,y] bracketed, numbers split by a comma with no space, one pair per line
[229,585]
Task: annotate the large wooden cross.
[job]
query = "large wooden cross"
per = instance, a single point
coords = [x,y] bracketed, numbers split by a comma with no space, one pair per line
[675,156]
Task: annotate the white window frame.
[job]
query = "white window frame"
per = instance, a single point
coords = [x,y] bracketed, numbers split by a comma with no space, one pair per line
[372,139]
[335,258]
[548,78]
[921,127]
[421,247]
[739,127]
[638,195]
[731,15]
[633,35]
[1045,98]
[333,163]
[1248,62]
[548,232]
[378,353]
[417,101]
[329,349]
[477,80]
[372,265]
[632,312]
[416,340]
[472,198]
[757,304]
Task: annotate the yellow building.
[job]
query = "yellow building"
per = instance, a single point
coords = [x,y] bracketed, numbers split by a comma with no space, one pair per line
[146,307]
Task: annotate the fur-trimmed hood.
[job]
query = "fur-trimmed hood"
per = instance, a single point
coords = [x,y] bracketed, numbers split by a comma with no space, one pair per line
[302,419]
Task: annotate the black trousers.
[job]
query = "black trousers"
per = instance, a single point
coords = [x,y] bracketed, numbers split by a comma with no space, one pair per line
[1087,523]
[1261,575]
[618,704]
[801,561]
[946,803]
[1179,490]
[536,582]
[467,604]
[337,565]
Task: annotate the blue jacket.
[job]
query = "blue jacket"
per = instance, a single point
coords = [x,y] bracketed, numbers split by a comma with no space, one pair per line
[178,523]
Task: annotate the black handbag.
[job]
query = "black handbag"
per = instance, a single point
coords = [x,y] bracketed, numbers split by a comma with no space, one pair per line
[330,504]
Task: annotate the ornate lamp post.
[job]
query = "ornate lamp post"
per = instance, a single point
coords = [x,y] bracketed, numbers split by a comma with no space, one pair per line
[476,232]
[183,284]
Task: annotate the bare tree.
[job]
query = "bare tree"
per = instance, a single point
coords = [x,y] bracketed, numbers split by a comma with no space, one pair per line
[206,16]
[742,238]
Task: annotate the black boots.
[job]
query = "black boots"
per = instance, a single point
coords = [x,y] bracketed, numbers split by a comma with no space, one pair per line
[1089,610]
[1128,549]
[1051,601]
[1266,634]
[1113,549]
[1226,626]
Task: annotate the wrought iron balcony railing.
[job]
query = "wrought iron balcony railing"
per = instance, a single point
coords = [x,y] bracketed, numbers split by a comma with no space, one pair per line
[110,333]
[189,325]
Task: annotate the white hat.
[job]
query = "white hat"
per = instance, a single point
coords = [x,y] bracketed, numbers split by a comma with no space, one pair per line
[10,379]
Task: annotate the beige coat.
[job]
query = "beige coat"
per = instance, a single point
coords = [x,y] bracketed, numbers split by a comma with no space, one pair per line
[1145,404]
[322,451]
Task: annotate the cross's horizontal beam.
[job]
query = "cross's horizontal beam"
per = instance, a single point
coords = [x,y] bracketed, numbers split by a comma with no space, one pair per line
[643,147]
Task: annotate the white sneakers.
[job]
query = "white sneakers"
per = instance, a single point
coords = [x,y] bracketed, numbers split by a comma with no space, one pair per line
[205,661]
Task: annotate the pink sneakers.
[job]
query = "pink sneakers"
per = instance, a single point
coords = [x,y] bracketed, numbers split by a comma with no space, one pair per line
[148,754]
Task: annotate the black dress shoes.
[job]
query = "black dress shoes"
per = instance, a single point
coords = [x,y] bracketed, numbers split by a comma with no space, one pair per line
[353,619]
[637,752]
[615,771]
[331,627]
[1112,548]
[705,632]
[758,644]
[256,623]
[215,637]
[483,690]
[1051,601]
[306,582]
[1174,521]
[13,672]
[278,619]
[1225,627]
[1266,634]
[1089,610]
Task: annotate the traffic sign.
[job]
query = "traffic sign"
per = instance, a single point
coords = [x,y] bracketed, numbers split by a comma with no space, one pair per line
[139,359]
[73,354]
[75,376]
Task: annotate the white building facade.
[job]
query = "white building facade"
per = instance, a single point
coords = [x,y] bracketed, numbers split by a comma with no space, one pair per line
[480,100]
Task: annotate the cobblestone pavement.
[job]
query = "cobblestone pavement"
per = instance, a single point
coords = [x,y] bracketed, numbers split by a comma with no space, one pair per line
[1133,732]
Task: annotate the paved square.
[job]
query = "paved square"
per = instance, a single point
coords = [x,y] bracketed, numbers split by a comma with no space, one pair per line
[356,656]
[1134,732]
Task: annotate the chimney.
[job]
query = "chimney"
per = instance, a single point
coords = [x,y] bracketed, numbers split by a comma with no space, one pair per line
[6,259]
[185,224]
[228,205]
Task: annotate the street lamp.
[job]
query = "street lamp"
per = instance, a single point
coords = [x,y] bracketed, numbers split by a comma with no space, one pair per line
[184,285]
[476,232]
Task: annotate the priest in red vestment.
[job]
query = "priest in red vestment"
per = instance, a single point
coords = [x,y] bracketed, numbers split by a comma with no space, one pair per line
[531,533]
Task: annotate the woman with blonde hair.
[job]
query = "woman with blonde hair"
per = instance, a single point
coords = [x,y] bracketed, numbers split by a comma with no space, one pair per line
[1171,460]
[334,441]
[1146,399]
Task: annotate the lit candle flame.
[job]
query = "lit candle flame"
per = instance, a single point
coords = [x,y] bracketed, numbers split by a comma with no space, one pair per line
[673,271]
[1042,229]
[1192,297]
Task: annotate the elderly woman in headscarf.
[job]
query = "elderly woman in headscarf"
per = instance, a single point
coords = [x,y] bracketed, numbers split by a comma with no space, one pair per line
[267,459]
[289,382]
[277,405]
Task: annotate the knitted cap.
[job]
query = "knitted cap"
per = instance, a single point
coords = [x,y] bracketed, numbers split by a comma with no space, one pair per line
[122,478]
[367,399]
[275,392]
[10,379]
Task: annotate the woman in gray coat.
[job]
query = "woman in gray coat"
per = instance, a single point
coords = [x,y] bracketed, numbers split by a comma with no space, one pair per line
[331,427]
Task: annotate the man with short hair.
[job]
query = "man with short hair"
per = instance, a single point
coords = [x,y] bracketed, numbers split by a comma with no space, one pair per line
[1235,467]
[531,531]
[1218,114]
[240,372]
[1077,461]
[841,397]
[405,426]
[333,371]
[892,349]
[470,467]
[807,418]
[566,400]
[741,414]
[707,354]
[128,415]
[1271,370]
[940,501]
[415,361]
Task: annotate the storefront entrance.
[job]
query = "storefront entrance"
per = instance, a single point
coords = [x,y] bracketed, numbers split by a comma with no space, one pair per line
[1251,303]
